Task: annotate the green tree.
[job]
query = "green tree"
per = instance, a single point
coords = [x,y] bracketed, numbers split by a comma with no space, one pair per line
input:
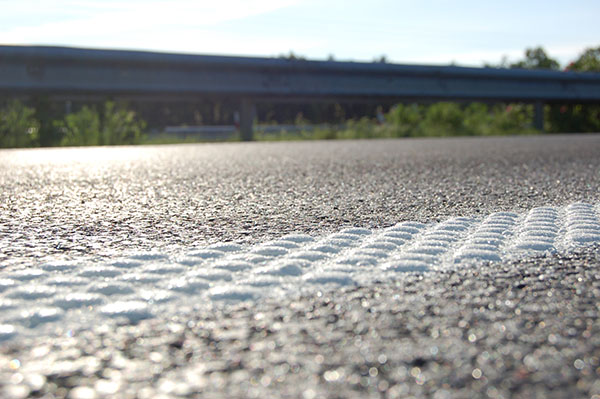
[536,58]
[18,126]
[589,61]
[577,117]
[293,56]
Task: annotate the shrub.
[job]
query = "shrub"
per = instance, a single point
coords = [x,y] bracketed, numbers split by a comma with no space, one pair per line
[80,128]
[403,120]
[120,126]
[112,126]
[18,126]
[442,119]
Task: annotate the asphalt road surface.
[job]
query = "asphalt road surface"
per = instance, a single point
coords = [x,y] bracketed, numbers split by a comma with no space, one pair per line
[527,328]
[101,200]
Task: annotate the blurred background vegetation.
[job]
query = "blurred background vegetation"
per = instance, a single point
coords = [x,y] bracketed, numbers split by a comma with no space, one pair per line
[40,122]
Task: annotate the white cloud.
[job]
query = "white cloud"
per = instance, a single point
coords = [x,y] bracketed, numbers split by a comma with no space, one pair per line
[405,31]
[102,21]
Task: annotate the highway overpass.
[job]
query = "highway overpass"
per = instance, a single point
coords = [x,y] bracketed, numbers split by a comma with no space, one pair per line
[76,73]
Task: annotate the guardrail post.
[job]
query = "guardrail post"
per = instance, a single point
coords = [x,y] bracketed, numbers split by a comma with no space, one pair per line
[538,115]
[247,115]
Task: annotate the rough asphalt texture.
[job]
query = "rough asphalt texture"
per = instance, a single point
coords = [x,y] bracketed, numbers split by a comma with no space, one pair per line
[528,329]
[97,201]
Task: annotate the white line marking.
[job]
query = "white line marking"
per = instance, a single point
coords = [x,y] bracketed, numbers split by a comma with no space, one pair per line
[66,296]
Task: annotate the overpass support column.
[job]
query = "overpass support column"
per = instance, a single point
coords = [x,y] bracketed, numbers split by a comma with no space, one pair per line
[247,115]
[538,115]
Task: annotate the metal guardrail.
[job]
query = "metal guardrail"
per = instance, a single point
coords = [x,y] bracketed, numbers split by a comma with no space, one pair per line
[75,72]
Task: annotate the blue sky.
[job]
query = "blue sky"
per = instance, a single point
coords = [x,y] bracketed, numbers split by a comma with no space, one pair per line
[464,32]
